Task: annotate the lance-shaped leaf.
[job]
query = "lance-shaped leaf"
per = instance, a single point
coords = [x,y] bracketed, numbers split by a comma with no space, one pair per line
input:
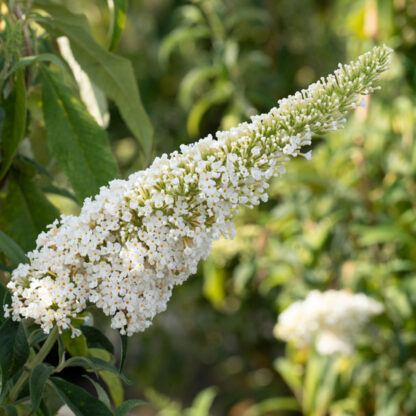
[96,339]
[14,123]
[11,250]
[78,400]
[38,378]
[126,406]
[25,211]
[14,349]
[118,20]
[113,74]
[79,144]
[5,299]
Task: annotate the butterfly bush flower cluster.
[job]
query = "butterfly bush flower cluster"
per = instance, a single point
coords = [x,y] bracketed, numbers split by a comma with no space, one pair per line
[140,237]
[330,320]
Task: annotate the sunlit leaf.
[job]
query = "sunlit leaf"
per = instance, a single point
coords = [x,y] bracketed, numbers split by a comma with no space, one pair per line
[118,10]
[78,143]
[193,80]
[113,74]
[76,346]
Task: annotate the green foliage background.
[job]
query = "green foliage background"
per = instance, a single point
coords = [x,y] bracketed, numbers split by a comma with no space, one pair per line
[347,219]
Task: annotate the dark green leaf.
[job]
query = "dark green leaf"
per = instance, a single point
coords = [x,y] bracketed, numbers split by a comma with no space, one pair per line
[40,169]
[5,299]
[118,21]
[78,400]
[37,381]
[79,144]
[14,349]
[12,250]
[96,339]
[6,268]
[113,74]
[26,211]
[14,123]
[36,336]
[95,364]
[124,340]
[101,393]
[10,410]
[125,407]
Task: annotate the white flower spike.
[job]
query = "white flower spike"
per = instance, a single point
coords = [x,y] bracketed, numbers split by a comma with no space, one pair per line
[331,320]
[140,237]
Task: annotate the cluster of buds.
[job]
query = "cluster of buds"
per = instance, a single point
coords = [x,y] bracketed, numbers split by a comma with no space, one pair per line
[140,237]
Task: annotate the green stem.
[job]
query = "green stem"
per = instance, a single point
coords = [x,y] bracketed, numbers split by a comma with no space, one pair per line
[39,357]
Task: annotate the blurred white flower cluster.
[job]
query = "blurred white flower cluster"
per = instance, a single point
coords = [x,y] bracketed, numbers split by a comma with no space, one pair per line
[330,320]
[140,237]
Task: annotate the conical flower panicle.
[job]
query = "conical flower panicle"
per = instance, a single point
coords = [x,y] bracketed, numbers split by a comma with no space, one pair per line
[140,237]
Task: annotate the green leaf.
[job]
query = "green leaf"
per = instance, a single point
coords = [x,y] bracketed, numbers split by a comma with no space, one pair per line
[291,373]
[14,123]
[14,349]
[79,144]
[218,95]
[111,379]
[37,380]
[203,402]
[124,342]
[75,346]
[78,400]
[214,283]
[193,79]
[125,407]
[25,211]
[36,336]
[113,74]
[5,299]
[114,386]
[10,410]
[118,21]
[382,234]
[178,37]
[101,393]
[95,364]
[276,404]
[59,191]
[12,250]
[43,57]
[96,339]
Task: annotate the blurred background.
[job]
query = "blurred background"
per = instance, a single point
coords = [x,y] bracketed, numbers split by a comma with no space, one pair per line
[347,219]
